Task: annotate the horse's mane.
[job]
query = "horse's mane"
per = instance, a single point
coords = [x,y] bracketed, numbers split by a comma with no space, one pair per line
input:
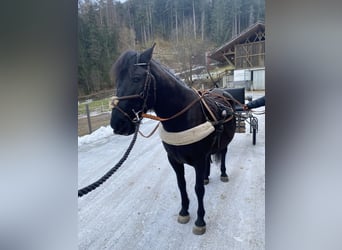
[166,70]
[123,62]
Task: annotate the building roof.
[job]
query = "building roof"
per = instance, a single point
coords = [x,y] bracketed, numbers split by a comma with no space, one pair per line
[250,32]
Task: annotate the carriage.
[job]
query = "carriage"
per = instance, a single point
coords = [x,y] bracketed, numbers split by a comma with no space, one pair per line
[243,116]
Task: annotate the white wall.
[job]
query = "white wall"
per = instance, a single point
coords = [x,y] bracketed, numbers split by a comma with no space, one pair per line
[242,75]
[258,79]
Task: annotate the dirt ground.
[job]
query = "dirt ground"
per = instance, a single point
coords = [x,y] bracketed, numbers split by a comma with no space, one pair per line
[96,122]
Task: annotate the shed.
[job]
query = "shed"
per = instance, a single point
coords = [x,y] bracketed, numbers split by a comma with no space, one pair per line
[246,53]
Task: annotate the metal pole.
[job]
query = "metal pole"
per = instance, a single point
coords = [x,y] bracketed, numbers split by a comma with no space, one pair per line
[88,118]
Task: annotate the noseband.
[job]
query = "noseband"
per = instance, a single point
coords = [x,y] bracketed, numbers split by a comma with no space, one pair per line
[143,95]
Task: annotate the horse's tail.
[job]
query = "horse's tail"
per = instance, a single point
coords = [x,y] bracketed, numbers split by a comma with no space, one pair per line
[216,158]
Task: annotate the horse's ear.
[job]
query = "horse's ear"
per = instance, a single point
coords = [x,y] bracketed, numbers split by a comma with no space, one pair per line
[146,56]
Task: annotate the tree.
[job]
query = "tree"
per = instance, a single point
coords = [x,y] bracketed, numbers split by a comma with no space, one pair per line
[107,27]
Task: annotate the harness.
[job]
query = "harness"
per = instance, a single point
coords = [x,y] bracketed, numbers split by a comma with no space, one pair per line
[216,105]
[220,111]
[113,103]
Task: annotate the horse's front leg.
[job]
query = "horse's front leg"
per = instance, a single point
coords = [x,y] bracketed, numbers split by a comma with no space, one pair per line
[224,177]
[199,227]
[207,170]
[183,216]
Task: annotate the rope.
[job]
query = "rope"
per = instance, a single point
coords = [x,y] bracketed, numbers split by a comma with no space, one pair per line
[93,186]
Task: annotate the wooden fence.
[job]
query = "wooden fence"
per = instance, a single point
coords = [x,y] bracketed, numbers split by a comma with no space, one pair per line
[92,115]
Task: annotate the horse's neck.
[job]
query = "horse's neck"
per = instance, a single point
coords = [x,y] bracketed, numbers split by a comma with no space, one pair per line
[173,97]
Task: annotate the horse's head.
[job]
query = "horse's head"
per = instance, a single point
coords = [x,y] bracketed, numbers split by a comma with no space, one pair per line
[135,90]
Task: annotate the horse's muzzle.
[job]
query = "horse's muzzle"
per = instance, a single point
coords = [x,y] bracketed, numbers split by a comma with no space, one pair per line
[121,125]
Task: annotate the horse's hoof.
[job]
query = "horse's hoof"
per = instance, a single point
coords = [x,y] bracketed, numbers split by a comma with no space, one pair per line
[198,230]
[224,178]
[206,181]
[183,219]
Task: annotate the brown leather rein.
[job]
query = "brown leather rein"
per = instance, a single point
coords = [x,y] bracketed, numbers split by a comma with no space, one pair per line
[144,96]
[157,118]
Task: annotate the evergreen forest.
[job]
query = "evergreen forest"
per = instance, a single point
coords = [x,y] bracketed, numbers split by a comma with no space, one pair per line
[183,30]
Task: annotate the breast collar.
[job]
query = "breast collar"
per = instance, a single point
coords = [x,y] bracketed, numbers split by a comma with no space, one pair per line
[188,136]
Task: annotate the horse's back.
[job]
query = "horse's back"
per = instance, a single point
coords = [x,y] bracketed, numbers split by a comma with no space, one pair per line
[239,95]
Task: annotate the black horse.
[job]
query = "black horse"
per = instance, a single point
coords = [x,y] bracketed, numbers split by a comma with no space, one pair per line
[143,84]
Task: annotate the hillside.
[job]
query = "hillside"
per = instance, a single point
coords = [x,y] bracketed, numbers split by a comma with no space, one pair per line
[183,29]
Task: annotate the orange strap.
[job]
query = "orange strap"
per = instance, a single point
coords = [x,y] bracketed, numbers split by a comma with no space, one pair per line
[157,118]
[154,117]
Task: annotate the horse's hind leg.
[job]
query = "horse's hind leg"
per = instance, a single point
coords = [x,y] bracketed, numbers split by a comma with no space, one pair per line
[224,177]
[183,216]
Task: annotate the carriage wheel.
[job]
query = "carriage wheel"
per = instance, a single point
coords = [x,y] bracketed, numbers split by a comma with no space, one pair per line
[254,136]
[254,126]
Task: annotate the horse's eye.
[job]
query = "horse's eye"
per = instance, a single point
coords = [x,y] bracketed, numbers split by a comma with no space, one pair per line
[136,79]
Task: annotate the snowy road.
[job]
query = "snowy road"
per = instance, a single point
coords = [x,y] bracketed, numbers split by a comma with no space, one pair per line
[137,207]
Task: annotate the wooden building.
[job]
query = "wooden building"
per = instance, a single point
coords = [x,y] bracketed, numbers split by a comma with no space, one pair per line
[246,53]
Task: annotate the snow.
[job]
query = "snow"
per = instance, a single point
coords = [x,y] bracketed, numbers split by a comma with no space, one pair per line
[99,134]
[137,207]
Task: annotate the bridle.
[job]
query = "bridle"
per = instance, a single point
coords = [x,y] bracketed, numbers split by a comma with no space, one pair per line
[143,95]
[139,115]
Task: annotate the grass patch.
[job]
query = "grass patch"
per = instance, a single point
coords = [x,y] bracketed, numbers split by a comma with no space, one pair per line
[102,104]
